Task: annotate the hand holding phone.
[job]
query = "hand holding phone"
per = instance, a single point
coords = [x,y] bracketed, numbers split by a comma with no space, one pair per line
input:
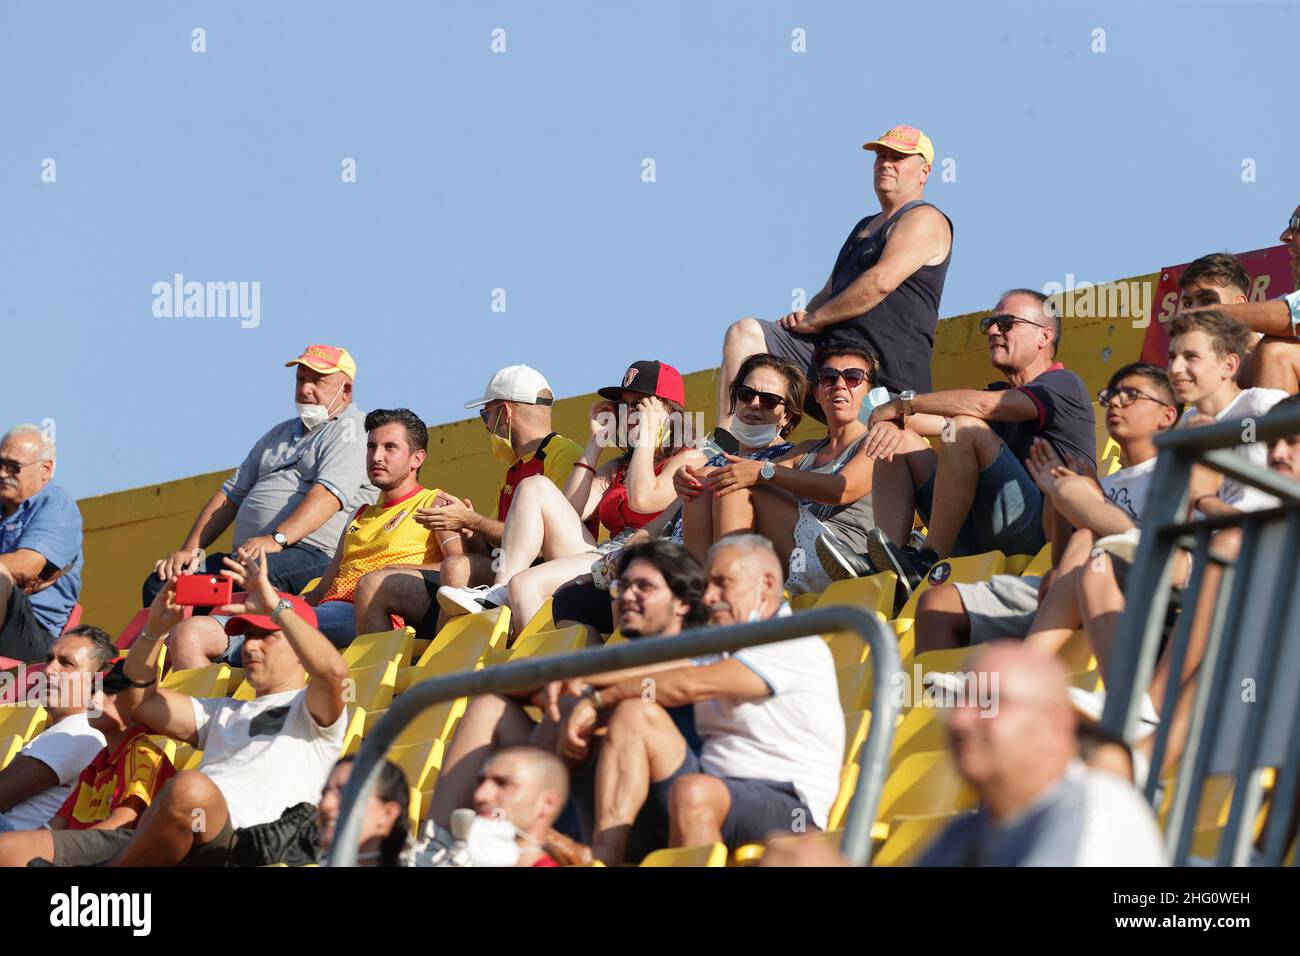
[203,590]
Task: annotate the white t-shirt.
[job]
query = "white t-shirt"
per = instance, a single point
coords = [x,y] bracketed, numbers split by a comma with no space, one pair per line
[795,735]
[1127,488]
[66,747]
[1119,828]
[267,754]
[1252,403]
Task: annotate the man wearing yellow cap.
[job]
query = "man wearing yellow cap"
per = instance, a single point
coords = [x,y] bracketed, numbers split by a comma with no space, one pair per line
[294,491]
[884,289]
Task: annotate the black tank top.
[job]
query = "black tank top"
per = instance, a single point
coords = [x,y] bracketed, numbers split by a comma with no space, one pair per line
[901,327]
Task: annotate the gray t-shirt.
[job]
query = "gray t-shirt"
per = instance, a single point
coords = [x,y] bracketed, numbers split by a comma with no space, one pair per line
[283,465]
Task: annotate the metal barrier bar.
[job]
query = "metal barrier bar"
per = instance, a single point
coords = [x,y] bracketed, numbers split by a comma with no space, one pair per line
[534,672]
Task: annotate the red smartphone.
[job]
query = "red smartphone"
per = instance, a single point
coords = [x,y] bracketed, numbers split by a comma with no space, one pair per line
[203,590]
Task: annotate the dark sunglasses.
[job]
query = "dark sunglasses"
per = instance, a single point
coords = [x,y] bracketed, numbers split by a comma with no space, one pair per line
[1127,396]
[1293,225]
[1004,323]
[769,400]
[853,377]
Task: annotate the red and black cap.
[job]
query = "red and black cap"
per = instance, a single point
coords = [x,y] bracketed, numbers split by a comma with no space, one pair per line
[649,378]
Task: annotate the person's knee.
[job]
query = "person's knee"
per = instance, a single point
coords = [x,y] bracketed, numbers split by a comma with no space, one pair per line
[744,336]
[195,636]
[188,795]
[693,795]
[634,717]
[370,585]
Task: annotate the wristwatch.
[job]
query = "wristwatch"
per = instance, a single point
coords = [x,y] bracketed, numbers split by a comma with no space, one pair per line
[592,694]
[279,538]
[905,398]
[767,471]
[284,605]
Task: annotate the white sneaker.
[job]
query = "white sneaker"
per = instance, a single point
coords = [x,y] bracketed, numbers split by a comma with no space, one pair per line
[1091,703]
[457,601]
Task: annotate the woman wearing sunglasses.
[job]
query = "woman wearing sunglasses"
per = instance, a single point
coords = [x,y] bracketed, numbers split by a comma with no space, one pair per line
[767,397]
[625,494]
[815,487]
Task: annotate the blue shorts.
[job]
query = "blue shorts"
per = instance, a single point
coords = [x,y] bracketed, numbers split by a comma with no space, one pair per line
[758,808]
[1006,515]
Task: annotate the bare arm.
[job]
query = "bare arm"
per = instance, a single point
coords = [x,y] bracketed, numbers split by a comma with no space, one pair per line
[687,685]
[25,565]
[1081,502]
[820,298]
[1271,317]
[23,779]
[212,521]
[648,493]
[917,238]
[162,711]
[317,506]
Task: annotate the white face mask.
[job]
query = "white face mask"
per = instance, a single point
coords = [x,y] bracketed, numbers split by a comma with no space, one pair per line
[312,415]
[754,436]
[491,842]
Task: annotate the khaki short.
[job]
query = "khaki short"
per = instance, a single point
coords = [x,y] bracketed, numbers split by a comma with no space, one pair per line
[96,847]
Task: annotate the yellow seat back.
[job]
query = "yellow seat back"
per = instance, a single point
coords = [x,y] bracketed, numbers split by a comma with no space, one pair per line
[709,854]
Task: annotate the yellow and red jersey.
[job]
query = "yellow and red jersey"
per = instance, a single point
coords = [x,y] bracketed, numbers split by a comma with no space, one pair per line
[137,768]
[553,458]
[382,534]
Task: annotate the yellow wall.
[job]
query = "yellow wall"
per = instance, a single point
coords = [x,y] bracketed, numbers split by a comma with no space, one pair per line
[127,531]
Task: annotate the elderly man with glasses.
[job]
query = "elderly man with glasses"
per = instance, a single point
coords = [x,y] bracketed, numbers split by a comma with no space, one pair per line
[973,490]
[40,546]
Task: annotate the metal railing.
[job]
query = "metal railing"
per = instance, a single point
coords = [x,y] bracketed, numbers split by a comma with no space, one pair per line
[533,672]
[1245,715]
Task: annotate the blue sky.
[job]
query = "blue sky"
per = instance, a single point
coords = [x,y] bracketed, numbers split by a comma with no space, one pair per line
[522,171]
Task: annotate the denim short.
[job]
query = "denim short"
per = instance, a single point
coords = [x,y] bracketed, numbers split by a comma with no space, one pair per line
[1006,515]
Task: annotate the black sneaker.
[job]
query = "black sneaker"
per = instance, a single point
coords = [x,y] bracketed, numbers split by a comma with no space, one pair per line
[839,560]
[910,565]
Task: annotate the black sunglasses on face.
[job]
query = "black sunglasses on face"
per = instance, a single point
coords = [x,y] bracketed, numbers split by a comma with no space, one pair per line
[1004,323]
[1127,396]
[746,395]
[853,377]
[1293,226]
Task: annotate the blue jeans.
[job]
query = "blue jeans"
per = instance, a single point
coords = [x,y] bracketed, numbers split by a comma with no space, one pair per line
[337,620]
[1006,515]
[290,570]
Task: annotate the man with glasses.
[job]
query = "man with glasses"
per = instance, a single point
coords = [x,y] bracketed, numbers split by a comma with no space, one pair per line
[1139,404]
[1277,356]
[40,546]
[516,411]
[974,493]
[884,289]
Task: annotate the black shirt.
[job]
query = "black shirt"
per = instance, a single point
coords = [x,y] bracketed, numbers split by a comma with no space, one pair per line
[1065,416]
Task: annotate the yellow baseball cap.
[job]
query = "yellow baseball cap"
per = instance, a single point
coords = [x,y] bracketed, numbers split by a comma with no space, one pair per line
[326,359]
[905,139]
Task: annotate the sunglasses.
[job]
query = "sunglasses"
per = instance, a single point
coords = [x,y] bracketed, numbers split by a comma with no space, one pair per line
[10,467]
[1293,225]
[853,377]
[1127,396]
[769,400]
[1004,323]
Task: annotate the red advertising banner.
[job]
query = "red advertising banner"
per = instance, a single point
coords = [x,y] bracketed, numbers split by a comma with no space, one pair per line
[1270,273]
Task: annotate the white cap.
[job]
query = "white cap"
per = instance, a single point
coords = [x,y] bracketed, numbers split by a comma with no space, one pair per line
[516,383]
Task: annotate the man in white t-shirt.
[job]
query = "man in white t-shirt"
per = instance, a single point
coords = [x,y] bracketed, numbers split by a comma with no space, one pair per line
[260,757]
[769,718]
[34,786]
[1078,509]
[1039,805]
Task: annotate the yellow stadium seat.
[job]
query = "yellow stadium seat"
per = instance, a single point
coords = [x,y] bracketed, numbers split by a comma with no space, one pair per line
[974,567]
[210,681]
[542,621]
[370,687]
[311,585]
[875,593]
[244,691]
[922,730]
[187,757]
[751,854]
[801,602]
[24,720]
[1039,565]
[855,686]
[615,638]
[1109,447]
[909,837]
[354,733]
[709,854]
[946,660]
[418,761]
[433,723]
[9,747]
[1087,680]
[849,774]
[236,678]
[856,725]
[848,648]
[544,643]
[394,645]
[1108,466]
[923,784]
[460,646]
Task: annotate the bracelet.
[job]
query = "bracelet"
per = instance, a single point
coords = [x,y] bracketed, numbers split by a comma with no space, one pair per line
[147,684]
[583,464]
